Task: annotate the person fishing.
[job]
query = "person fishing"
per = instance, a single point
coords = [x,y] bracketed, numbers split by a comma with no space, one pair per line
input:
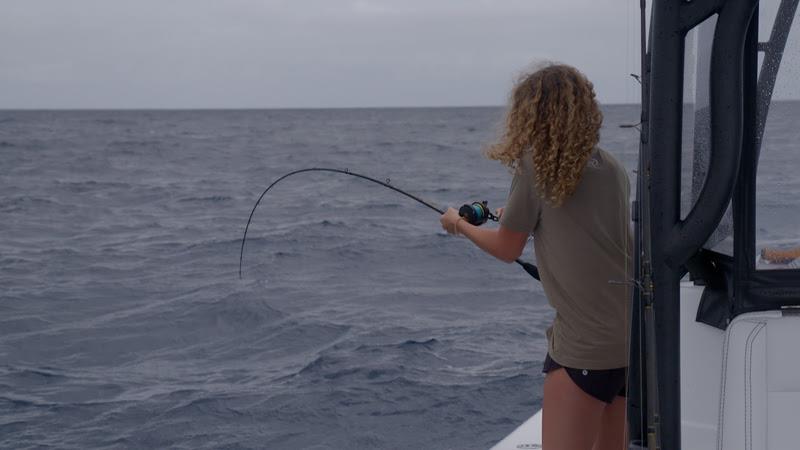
[574,198]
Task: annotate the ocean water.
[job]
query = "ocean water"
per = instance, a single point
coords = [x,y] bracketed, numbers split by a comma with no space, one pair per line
[358,324]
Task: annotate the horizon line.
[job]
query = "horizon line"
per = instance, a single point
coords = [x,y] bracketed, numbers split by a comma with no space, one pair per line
[302,108]
[291,108]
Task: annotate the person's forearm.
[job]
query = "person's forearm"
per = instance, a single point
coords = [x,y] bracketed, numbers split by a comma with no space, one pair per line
[487,239]
[777,255]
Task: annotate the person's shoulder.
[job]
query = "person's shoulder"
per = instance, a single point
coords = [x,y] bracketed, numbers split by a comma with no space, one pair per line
[524,166]
[612,166]
[524,172]
[603,158]
[605,155]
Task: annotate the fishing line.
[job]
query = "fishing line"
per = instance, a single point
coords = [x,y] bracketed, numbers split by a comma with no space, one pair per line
[476,212]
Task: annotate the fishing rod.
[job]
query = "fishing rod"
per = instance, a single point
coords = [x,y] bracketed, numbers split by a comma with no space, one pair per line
[476,213]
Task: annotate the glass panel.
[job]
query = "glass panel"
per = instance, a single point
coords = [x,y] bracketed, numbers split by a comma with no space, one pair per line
[691,72]
[697,128]
[777,182]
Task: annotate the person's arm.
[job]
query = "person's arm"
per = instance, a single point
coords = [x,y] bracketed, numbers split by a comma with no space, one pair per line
[780,256]
[502,243]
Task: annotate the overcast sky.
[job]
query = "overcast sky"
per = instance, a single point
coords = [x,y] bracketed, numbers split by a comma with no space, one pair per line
[304,53]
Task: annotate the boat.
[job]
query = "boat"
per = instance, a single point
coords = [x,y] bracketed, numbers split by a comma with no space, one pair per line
[714,360]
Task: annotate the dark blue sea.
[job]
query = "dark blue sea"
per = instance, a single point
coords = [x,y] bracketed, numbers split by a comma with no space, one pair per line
[358,324]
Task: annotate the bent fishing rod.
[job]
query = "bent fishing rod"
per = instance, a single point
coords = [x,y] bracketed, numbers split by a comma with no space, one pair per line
[476,213]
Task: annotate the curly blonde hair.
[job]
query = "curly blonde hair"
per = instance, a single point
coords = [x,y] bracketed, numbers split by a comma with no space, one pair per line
[554,115]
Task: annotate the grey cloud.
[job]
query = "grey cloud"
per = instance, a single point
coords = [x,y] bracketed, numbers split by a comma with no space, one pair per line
[304,53]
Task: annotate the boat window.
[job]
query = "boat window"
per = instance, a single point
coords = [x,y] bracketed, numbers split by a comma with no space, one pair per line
[696,138]
[778,179]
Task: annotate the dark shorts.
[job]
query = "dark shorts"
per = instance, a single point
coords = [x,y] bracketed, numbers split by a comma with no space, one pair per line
[603,385]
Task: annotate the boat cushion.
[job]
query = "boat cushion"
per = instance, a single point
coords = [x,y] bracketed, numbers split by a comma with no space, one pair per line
[760,386]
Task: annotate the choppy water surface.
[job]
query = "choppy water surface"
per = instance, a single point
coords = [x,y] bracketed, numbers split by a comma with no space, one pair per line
[358,324]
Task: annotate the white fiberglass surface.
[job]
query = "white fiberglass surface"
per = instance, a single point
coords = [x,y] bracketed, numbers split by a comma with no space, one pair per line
[701,363]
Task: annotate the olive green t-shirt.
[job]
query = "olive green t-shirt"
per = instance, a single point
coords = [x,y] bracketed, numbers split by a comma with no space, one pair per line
[583,250]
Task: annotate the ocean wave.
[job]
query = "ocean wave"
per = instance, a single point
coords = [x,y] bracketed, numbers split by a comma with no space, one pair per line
[13,261]
[428,344]
[402,381]
[207,199]
[80,187]
[67,253]
[240,310]
[22,403]
[303,335]
[215,405]
[399,412]
[320,363]
[411,344]
[516,382]
[294,231]
[333,223]
[327,367]
[12,326]
[10,428]
[369,205]
[37,375]
[135,143]
[210,243]
[409,144]
[385,361]
[23,203]
[351,252]
[287,247]
[182,394]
